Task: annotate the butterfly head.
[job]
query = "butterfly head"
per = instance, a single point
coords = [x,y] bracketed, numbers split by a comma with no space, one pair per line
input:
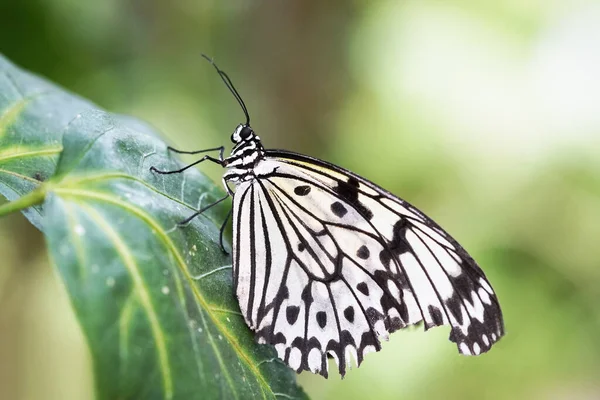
[245,140]
[243,133]
[247,150]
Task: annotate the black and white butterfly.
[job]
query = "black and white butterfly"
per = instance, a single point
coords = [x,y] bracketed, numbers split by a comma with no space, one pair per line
[326,263]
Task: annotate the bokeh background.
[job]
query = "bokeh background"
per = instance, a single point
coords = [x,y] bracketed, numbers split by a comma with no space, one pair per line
[485,114]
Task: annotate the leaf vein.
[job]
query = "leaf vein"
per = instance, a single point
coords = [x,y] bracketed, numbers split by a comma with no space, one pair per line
[218,355]
[180,261]
[204,275]
[6,155]
[142,293]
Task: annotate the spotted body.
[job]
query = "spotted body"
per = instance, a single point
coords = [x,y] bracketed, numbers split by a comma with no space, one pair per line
[327,263]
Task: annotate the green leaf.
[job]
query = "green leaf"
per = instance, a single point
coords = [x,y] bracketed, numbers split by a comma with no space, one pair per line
[33,115]
[155,301]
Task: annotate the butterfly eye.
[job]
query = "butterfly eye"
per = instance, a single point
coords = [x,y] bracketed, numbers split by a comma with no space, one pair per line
[245,132]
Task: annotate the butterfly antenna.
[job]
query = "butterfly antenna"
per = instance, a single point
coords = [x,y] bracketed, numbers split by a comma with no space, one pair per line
[230,86]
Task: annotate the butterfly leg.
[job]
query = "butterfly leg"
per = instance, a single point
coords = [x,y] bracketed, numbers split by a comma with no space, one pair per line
[177,171]
[219,160]
[222,230]
[186,221]
[200,211]
[220,148]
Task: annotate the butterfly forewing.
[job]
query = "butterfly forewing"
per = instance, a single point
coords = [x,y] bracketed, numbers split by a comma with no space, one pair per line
[326,262]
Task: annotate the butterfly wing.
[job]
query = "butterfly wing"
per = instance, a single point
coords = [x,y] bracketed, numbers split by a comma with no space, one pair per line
[326,262]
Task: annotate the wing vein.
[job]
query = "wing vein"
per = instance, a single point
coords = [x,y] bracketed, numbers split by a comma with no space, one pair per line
[279,301]
[381,239]
[304,242]
[268,261]
[252,257]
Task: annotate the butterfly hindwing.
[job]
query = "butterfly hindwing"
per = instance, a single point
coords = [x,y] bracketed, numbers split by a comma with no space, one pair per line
[326,262]
[430,260]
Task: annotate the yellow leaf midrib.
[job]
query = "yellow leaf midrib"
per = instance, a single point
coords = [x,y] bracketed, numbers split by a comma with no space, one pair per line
[143,295]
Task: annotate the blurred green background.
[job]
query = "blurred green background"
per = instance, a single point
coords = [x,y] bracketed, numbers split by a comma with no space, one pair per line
[484,114]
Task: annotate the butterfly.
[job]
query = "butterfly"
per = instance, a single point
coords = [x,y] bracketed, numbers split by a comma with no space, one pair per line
[328,264]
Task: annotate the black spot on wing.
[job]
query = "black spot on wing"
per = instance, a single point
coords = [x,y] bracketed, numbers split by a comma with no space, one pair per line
[302,190]
[349,314]
[322,319]
[301,247]
[373,315]
[338,209]
[279,338]
[363,288]
[349,192]
[292,314]
[436,315]
[363,252]
[269,337]
[394,323]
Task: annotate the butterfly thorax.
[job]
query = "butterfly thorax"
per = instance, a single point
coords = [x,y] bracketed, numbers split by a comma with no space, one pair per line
[247,152]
